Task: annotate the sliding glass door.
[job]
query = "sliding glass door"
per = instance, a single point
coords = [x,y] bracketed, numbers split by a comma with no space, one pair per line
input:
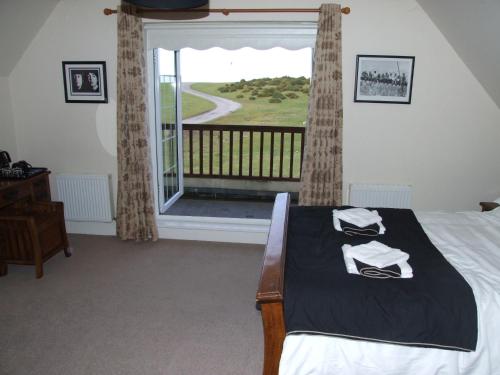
[168,127]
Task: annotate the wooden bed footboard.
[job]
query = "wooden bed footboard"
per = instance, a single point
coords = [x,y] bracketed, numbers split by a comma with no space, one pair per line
[271,283]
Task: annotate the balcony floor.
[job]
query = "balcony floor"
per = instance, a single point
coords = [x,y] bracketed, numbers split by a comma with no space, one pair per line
[221,208]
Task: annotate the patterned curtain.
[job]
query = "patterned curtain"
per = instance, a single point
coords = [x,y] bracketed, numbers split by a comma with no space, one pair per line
[135,209]
[321,182]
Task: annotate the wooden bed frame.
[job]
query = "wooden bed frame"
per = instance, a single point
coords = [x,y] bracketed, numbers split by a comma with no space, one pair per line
[270,290]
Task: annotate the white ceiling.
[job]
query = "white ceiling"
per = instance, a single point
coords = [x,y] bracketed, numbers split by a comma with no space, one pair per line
[473,29]
[20,21]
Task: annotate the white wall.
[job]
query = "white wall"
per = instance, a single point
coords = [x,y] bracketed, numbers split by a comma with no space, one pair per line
[444,143]
[7,129]
[66,137]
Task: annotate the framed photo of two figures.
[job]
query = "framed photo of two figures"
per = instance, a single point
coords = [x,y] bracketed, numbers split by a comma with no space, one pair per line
[85,81]
[384,79]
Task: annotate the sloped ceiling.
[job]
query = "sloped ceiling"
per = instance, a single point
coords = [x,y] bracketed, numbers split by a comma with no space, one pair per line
[473,30]
[20,21]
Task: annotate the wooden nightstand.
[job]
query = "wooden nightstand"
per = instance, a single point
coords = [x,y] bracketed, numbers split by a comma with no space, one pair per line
[488,206]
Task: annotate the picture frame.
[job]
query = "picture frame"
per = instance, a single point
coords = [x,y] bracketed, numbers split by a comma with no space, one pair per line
[384,79]
[85,81]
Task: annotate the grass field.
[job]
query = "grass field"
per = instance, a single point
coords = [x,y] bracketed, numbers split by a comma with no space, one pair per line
[191,105]
[290,112]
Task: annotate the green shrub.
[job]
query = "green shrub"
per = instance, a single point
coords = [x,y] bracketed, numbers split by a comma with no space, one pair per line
[274,100]
[284,87]
[252,98]
[278,95]
[291,95]
[267,87]
[268,91]
[240,96]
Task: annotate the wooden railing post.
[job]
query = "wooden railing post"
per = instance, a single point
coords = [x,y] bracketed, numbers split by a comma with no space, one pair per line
[250,153]
[271,157]
[261,146]
[211,151]
[282,142]
[201,151]
[190,151]
[231,154]
[221,143]
[241,155]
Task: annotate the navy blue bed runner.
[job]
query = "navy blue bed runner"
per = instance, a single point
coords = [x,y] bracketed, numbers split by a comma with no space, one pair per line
[435,308]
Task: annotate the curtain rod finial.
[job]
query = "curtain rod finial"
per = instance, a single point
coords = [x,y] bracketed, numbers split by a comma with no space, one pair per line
[346,10]
[108,11]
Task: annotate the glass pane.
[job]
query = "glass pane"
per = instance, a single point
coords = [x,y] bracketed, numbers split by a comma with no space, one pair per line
[167,62]
[168,115]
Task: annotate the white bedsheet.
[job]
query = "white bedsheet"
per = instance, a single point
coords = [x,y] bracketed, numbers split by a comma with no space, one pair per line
[470,241]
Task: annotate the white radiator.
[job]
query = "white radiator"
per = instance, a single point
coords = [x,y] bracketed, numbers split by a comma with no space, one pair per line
[369,195]
[86,197]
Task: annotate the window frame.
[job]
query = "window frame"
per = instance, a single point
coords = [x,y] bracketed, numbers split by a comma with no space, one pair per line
[229,35]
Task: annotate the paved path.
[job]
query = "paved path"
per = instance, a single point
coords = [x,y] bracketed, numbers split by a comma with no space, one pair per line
[224,106]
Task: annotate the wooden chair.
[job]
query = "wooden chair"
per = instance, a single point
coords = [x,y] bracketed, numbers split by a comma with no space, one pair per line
[30,233]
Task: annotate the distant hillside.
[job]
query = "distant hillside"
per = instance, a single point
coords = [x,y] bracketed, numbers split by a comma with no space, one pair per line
[277,89]
[265,101]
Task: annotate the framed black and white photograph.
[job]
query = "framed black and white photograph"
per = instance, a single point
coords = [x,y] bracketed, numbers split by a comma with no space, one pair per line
[384,79]
[85,81]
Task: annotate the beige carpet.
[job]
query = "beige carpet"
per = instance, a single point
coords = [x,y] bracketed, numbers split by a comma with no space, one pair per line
[171,307]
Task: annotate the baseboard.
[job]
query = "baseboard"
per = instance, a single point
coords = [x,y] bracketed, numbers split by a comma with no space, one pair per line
[83,227]
[252,231]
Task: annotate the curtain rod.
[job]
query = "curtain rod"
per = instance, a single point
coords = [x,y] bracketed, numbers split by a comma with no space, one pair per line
[226,12]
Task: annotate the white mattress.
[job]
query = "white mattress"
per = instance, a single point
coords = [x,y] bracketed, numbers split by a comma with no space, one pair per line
[470,241]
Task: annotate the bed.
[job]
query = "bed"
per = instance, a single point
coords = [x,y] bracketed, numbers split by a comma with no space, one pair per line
[470,242]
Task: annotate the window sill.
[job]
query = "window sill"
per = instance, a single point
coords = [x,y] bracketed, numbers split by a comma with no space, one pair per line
[213,229]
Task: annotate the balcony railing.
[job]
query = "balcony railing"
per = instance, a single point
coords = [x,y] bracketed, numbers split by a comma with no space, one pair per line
[243,152]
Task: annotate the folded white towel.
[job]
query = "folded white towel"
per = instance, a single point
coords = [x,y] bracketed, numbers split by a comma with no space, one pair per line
[360,217]
[375,254]
[405,268]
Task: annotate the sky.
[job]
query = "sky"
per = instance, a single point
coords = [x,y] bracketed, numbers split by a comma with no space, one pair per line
[220,65]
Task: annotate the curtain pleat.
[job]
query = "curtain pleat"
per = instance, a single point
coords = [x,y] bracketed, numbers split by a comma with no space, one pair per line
[135,207]
[321,178]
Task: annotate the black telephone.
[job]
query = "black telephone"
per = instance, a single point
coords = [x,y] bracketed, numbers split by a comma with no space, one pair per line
[4,159]
[22,165]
